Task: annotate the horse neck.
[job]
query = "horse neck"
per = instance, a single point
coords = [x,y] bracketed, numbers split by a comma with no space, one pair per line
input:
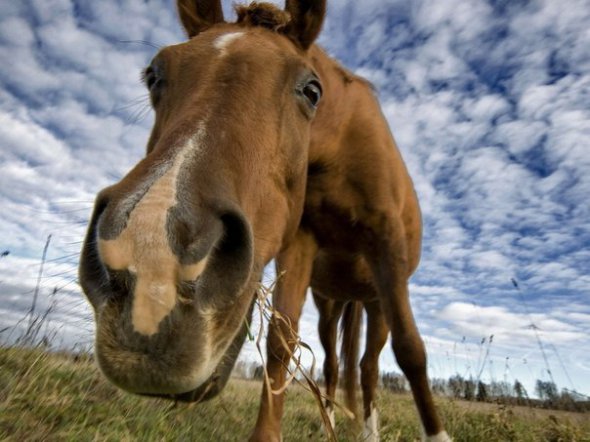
[349,112]
[333,117]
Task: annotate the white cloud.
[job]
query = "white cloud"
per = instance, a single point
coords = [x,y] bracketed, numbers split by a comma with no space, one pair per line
[507,326]
[519,136]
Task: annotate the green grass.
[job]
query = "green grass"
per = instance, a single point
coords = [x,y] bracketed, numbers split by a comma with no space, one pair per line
[55,397]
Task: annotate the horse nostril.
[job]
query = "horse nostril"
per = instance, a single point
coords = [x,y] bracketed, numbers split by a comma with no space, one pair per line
[92,272]
[234,252]
[101,202]
[120,281]
[236,237]
[192,234]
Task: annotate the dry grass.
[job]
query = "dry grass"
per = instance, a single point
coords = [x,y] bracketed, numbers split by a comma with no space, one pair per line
[55,397]
[295,346]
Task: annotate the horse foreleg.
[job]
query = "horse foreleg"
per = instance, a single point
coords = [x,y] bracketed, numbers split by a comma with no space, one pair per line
[376,338]
[288,298]
[329,314]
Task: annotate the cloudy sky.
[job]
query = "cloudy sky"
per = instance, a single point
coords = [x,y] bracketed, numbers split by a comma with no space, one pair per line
[489,101]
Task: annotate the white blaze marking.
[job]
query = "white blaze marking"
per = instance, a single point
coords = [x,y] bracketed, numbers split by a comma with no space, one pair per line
[143,249]
[440,437]
[371,428]
[225,40]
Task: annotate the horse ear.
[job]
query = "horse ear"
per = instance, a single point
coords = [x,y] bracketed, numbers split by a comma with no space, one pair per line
[307,17]
[198,15]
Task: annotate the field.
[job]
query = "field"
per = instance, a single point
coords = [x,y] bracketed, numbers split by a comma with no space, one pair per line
[51,397]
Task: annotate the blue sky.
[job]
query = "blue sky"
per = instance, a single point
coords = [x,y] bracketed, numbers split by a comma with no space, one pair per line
[489,101]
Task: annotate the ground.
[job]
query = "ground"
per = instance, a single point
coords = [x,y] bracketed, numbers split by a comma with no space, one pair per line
[50,397]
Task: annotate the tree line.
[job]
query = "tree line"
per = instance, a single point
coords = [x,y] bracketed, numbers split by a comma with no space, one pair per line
[546,394]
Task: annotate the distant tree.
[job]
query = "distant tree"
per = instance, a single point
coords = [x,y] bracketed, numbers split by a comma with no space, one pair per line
[258,372]
[469,390]
[520,392]
[500,389]
[439,386]
[482,393]
[241,370]
[567,401]
[546,390]
[456,384]
[394,382]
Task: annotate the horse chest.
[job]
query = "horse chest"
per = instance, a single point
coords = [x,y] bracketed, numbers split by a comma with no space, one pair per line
[338,209]
[335,226]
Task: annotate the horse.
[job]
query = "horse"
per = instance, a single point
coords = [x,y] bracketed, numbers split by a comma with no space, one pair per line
[262,148]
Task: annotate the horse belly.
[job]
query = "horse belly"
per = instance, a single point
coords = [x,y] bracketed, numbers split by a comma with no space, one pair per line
[342,277]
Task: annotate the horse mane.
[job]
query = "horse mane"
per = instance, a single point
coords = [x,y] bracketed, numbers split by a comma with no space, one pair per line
[269,16]
[264,15]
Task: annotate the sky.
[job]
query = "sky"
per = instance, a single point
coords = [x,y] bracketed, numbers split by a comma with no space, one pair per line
[489,102]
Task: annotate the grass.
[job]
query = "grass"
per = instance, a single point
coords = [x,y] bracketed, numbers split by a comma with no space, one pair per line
[56,397]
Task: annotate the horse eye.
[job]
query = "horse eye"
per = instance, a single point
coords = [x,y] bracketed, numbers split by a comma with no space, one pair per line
[313,92]
[151,78]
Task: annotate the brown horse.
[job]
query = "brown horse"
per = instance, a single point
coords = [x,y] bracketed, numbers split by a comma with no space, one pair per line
[263,147]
